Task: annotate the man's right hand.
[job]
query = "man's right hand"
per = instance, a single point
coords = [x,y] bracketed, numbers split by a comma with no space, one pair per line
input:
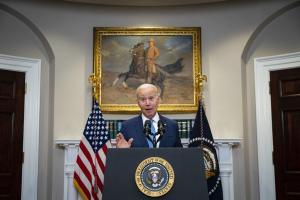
[121,142]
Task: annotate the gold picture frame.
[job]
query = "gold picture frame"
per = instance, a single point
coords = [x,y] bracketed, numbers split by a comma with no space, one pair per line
[120,59]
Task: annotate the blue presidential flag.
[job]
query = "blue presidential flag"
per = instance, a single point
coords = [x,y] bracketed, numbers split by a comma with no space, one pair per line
[201,136]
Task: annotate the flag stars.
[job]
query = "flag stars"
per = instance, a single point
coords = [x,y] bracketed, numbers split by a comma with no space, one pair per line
[94,132]
[96,129]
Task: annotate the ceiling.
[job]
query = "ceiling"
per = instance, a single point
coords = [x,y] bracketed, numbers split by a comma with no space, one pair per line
[145,2]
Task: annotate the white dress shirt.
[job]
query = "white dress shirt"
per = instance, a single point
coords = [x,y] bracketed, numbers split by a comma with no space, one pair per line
[155,120]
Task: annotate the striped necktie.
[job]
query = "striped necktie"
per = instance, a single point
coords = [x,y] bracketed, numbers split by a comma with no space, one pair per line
[152,137]
[153,132]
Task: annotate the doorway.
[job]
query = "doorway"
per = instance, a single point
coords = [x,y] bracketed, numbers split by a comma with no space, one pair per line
[262,68]
[12,91]
[285,101]
[32,70]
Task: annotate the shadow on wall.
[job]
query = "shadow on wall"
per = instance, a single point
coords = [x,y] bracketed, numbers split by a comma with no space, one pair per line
[247,50]
[47,144]
[248,99]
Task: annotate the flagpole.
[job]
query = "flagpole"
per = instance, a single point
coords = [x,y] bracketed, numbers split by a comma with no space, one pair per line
[200,80]
[94,80]
[95,139]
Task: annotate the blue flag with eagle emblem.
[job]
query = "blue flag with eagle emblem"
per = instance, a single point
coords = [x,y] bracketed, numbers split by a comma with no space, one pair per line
[201,136]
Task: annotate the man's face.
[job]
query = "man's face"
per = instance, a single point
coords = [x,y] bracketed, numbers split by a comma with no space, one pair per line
[148,101]
[151,43]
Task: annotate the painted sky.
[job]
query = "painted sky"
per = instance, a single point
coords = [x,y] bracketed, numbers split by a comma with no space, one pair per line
[116,55]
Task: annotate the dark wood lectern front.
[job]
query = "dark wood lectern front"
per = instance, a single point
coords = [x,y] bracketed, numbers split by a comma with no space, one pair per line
[187,164]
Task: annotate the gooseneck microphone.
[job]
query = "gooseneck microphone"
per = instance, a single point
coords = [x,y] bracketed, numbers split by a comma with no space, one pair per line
[161,129]
[154,138]
[148,133]
[147,128]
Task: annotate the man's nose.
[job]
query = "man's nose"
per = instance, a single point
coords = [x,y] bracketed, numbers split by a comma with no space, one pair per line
[147,101]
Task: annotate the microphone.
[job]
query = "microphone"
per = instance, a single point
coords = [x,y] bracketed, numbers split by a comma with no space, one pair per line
[161,129]
[147,128]
[149,135]
[160,132]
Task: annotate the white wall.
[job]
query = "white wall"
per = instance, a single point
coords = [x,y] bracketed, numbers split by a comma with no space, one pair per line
[281,36]
[226,28]
[17,39]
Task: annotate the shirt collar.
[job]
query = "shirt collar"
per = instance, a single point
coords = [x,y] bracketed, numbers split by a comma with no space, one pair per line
[155,118]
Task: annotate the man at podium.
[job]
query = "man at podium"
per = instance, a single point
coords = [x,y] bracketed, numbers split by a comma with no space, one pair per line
[149,129]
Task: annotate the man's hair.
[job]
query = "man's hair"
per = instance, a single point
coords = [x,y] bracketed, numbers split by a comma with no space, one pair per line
[146,85]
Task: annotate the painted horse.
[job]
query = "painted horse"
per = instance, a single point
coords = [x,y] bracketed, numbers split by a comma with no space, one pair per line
[138,69]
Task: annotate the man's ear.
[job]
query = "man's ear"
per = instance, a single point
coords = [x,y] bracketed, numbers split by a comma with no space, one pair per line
[138,103]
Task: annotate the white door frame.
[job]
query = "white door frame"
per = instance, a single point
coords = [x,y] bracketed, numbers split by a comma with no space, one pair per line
[32,69]
[262,68]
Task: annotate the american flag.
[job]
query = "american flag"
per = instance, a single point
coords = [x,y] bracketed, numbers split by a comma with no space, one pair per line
[90,163]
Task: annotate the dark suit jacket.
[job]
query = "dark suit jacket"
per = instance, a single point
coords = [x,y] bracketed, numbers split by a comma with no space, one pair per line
[133,128]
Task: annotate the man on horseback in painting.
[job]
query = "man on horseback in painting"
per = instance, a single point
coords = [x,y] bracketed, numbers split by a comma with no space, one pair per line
[138,59]
[152,54]
[144,69]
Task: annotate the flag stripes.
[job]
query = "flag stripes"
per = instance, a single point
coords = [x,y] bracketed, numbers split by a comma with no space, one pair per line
[80,186]
[91,159]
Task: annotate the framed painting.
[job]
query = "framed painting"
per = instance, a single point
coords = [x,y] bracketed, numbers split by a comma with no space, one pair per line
[169,58]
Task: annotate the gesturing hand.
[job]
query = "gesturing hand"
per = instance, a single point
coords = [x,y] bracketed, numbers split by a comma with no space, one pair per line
[121,142]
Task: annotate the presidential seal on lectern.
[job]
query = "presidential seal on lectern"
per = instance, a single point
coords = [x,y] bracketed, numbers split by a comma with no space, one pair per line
[154,176]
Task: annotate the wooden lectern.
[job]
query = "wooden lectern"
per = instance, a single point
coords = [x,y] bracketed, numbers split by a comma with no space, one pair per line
[187,165]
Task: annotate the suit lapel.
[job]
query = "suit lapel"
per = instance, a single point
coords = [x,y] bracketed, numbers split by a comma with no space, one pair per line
[164,141]
[140,132]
